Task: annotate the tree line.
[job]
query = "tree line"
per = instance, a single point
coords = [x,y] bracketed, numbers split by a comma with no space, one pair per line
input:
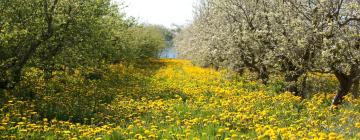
[54,35]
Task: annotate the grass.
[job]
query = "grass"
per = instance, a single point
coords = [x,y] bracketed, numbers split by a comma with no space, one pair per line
[171,99]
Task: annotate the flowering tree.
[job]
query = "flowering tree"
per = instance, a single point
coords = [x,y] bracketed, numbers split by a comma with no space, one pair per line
[292,37]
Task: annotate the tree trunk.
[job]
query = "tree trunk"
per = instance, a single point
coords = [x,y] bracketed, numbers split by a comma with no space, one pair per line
[3,85]
[3,81]
[292,79]
[239,70]
[355,88]
[345,83]
[303,90]
[263,75]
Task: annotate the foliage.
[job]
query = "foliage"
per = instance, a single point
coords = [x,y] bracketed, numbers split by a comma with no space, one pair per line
[54,35]
[291,38]
[149,40]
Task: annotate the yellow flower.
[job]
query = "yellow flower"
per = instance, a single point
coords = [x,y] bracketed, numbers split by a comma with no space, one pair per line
[130,127]
[332,136]
[6,119]
[357,125]
[147,132]
[221,130]
[2,128]
[234,136]
[152,136]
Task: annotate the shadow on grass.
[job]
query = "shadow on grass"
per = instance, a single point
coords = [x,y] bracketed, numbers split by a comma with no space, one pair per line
[150,88]
[78,96]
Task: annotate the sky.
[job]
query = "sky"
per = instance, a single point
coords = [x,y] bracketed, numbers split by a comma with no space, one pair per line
[161,12]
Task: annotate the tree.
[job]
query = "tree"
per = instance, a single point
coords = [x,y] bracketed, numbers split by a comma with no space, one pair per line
[53,34]
[291,37]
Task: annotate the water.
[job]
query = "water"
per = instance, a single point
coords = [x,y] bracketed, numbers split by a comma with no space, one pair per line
[169,53]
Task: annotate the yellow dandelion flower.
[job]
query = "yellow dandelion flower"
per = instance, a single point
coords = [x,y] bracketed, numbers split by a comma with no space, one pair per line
[130,127]
[332,136]
[357,125]
[221,130]
[2,128]
[234,136]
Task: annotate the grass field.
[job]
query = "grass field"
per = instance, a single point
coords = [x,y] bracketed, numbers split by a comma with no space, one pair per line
[171,99]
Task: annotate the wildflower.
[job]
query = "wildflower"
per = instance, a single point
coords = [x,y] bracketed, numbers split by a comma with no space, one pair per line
[357,125]
[221,130]
[5,120]
[2,128]
[138,135]
[332,135]
[334,107]
[130,127]
[152,136]
[234,136]
[147,132]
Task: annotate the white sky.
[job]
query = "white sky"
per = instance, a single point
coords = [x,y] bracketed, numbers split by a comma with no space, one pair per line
[163,12]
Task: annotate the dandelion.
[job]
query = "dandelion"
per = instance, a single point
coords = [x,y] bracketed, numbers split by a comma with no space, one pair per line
[221,130]
[357,125]
[2,128]
[234,136]
[153,136]
[130,127]
[213,104]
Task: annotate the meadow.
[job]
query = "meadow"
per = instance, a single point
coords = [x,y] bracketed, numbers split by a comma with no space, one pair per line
[170,99]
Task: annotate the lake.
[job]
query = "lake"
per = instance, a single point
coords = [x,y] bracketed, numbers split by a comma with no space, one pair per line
[169,53]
